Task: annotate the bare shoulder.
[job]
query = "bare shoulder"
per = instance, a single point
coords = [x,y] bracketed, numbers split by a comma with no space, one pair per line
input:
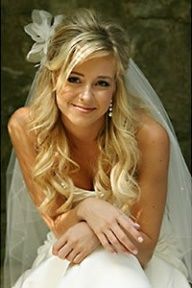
[151,133]
[19,118]
[18,122]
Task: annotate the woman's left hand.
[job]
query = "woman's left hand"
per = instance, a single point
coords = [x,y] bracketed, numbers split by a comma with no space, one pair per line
[77,243]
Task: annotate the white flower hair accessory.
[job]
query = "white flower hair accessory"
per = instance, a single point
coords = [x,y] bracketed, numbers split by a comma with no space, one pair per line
[40,30]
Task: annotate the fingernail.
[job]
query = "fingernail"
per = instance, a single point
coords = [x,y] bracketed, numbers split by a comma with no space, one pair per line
[136,225]
[140,239]
[135,252]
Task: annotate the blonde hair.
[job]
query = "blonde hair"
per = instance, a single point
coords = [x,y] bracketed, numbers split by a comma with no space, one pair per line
[77,38]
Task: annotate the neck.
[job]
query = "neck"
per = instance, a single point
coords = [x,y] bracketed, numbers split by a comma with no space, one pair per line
[83,135]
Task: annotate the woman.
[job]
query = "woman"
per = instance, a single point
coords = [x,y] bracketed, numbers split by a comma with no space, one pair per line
[95,162]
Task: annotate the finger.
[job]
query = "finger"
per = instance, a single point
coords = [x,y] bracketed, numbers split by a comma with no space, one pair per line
[127,224]
[132,221]
[135,224]
[64,251]
[112,238]
[72,255]
[59,244]
[79,258]
[105,243]
[124,240]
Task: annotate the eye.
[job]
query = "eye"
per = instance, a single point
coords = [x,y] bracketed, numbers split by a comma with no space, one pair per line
[102,83]
[74,79]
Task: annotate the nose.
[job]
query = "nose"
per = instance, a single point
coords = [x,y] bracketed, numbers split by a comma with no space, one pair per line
[86,93]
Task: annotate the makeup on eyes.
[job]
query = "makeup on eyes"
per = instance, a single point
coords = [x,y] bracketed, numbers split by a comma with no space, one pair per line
[73,79]
[102,81]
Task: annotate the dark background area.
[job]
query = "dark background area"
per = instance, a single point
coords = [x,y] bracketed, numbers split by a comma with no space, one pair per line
[160,40]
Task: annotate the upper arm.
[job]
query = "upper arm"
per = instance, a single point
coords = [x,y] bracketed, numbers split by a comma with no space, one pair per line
[23,141]
[24,145]
[153,143]
[21,138]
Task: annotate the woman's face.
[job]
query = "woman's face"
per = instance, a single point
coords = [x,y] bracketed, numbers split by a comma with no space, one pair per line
[85,97]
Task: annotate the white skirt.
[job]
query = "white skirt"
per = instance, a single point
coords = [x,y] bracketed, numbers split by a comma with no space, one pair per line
[101,269]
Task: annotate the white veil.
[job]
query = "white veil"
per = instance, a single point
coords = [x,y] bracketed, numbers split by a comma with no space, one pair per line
[26,230]
[178,208]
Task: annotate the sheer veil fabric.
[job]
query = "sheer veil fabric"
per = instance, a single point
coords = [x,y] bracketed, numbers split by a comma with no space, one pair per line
[26,231]
[178,210]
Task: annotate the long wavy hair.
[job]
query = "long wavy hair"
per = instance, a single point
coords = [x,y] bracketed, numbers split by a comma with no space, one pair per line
[76,39]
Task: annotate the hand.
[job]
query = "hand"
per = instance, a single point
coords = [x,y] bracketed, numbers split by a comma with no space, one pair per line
[113,228]
[76,243]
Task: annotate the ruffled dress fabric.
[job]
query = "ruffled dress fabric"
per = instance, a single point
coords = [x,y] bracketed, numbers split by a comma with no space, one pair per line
[102,269]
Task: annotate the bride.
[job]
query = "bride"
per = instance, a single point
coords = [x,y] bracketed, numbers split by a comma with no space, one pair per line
[101,164]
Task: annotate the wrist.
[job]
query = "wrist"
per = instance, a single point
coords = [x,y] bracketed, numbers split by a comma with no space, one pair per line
[81,209]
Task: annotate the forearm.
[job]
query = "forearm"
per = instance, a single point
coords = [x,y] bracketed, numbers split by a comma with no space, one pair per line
[80,213]
[60,224]
[63,222]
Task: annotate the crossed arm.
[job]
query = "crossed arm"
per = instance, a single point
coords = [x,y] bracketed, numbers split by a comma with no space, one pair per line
[95,222]
[148,212]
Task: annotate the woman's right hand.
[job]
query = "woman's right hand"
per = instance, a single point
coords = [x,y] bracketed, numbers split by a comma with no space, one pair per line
[76,243]
[115,230]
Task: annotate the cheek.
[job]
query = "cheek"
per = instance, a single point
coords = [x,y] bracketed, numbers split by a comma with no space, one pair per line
[63,97]
[60,100]
[105,99]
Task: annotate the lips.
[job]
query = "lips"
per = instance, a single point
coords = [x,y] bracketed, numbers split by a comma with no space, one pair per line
[83,108]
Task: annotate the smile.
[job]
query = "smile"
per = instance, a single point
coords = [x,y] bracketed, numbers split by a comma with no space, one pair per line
[83,108]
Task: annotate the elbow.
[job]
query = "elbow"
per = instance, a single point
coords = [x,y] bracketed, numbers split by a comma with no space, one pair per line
[150,251]
[50,222]
[145,258]
[56,226]
[146,253]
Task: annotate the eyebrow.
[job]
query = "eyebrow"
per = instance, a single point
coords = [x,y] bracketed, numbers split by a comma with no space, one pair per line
[100,76]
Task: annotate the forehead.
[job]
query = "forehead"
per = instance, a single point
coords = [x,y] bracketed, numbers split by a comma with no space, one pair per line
[98,64]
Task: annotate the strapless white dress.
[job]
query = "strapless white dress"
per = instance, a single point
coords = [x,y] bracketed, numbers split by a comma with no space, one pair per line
[103,269]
